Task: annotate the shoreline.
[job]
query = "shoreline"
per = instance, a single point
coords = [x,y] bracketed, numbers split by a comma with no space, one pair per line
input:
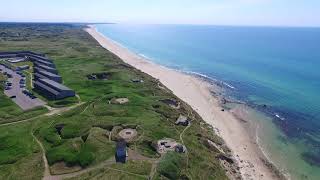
[197,93]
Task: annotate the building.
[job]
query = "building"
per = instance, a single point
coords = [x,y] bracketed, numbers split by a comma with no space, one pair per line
[22,68]
[35,57]
[48,75]
[39,58]
[52,89]
[44,68]
[121,151]
[40,62]
[19,54]
[46,78]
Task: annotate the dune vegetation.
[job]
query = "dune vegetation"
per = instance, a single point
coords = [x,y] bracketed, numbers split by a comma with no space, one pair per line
[83,137]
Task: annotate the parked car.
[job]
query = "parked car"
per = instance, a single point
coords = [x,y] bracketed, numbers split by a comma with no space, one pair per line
[7,88]
[30,94]
[12,97]
[25,92]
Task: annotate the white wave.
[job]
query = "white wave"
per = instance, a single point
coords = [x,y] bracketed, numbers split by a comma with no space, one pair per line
[278,116]
[210,78]
[144,56]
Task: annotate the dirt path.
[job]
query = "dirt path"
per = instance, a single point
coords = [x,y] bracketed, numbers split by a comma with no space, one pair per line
[44,158]
[17,122]
[75,174]
[181,139]
[154,168]
[52,111]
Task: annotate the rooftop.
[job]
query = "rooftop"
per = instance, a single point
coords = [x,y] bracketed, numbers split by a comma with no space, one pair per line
[49,89]
[46,73]
[54,84]
[39,61]
[45,67]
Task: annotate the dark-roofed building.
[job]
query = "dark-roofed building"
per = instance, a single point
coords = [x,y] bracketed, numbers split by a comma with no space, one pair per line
[39,58]
[44,68]
[48,75]
[52,89]
[46,78]
[121,151]
[22,68]
[19,54]
[39,62]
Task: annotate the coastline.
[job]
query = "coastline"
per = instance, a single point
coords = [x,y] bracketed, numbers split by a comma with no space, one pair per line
[197,93]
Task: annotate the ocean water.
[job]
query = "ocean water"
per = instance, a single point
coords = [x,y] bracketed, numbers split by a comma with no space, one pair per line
[274,66]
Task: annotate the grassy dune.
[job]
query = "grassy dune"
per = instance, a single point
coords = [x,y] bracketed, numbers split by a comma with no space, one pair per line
[84,139]
[20,155]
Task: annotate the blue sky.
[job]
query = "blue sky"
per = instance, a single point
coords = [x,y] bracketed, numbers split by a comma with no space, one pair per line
[219,12]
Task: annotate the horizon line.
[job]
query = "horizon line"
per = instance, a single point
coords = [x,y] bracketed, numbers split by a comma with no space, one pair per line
[92,23]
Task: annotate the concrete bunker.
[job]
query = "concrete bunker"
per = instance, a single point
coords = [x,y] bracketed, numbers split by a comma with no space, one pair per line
[128,134]
[172,103]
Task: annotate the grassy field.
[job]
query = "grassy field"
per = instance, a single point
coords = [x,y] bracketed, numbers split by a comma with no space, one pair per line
[83,139]
[20,156]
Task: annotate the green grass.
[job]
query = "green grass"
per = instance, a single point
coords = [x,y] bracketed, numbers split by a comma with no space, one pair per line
[130,170]
[83,140]
[19,154]
[171,165]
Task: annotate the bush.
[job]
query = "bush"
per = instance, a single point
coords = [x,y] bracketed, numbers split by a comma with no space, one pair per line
[171,165]
[86,157]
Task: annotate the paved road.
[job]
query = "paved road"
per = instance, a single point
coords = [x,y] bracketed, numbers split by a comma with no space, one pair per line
[21,99]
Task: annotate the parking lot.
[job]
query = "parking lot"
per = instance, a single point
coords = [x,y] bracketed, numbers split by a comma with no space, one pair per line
[15,91]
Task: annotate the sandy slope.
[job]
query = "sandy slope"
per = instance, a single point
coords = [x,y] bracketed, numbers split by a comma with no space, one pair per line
[197,94]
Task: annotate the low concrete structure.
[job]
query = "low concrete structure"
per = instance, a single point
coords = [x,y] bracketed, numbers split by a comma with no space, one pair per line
[137,80]
[167,144]
[128,134]
[172,103]
[120,101]
[52,89]
[182,120]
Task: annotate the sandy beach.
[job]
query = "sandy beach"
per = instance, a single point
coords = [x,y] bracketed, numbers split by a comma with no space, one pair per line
[196,93]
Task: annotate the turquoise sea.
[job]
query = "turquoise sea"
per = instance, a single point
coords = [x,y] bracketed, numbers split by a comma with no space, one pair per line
[274,66]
